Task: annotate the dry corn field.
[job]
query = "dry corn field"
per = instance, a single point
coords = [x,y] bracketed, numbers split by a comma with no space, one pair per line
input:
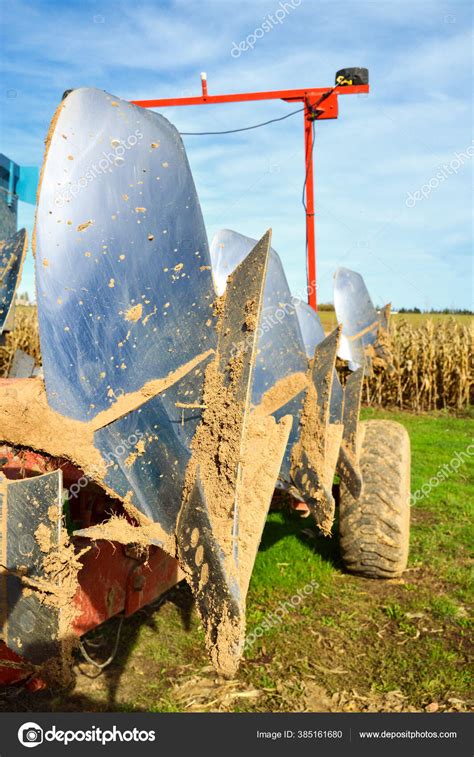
[432,367]
[24,337]
[432,362]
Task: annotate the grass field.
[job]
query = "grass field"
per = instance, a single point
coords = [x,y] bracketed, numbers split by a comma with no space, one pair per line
[352,644]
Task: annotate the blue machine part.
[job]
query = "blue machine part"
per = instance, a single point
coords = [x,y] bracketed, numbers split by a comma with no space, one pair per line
[27,185]
[18,182]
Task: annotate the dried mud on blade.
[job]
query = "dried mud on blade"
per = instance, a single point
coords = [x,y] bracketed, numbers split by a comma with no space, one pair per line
[233,469]
[344,401]
[315,455]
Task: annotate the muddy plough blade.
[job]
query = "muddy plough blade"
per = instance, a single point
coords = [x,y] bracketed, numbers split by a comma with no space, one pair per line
[125,289]
[30,577]
[315,454]
[348,467]
[124,285]
[344,401]
[221,519]
[313,334]
[217,596]
[12,254]
[284,382]
[281,365]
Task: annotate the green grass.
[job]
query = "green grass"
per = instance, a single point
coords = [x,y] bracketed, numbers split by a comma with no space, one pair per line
[443,530]
[347,635]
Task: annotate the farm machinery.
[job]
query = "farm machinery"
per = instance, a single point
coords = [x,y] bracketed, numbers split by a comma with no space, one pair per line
[182,384]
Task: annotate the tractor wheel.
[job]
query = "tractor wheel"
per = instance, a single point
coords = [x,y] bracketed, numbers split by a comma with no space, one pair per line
[374,530]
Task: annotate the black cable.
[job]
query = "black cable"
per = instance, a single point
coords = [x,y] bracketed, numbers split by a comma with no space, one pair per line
[244,128]
[266,123]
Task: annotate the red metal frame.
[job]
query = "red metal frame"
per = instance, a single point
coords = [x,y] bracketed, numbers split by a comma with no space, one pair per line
[319,103]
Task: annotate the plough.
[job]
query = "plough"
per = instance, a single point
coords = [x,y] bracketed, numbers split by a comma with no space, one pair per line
[182,384]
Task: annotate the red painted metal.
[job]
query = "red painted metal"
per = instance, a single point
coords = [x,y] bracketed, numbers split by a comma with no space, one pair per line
[320,103]
[310,225]
[113,578]
[14,669]
[112,581]
[290,95]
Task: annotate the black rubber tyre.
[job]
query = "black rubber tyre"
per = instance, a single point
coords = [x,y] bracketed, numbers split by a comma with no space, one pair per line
[374,530]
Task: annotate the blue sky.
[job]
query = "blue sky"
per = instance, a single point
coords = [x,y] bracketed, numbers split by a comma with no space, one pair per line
[417,117]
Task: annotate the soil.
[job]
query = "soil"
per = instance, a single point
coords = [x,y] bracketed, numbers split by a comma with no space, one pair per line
[27,420]
[264,447]
[61,565]
[141,531]
[134,313]
[282,392]
[131,401]
[313,443]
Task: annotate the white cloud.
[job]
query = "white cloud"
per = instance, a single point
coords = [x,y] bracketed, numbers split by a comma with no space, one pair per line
[381,148]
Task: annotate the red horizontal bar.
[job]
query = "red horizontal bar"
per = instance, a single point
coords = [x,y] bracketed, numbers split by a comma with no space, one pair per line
[284,94]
